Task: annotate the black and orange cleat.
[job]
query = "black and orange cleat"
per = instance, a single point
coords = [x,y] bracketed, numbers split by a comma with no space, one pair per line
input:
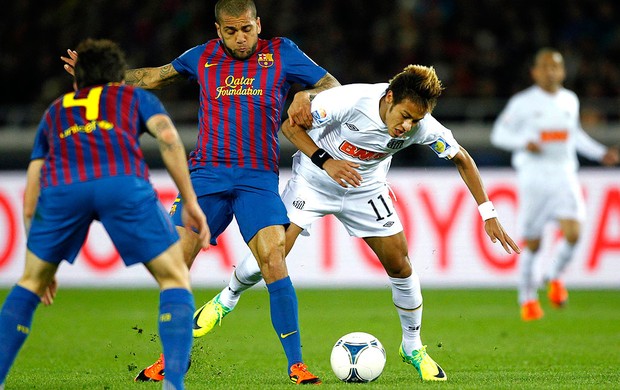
[301,376]
[153,373]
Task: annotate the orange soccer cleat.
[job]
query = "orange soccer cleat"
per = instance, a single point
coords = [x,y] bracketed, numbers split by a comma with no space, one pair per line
[557,293]
[531,311]
[153,373]
[301,376]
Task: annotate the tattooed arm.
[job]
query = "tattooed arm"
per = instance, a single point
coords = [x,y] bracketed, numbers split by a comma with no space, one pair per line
[147,78]
[152,78]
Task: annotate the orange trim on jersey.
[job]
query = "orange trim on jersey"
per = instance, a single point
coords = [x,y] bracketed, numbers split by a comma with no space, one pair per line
[553,135]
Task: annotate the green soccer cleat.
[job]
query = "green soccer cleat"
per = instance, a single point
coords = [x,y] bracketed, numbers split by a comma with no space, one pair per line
[426,366]
[209,315]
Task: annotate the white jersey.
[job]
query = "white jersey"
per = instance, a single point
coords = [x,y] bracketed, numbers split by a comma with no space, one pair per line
[348,126]
[548,185]
[551,121]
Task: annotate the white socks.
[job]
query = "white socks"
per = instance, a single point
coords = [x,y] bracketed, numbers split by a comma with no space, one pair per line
[407,298]
[528,285]
[561,261]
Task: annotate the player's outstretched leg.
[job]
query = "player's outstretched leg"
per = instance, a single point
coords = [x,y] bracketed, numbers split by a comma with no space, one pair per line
[424,364]
[246,275]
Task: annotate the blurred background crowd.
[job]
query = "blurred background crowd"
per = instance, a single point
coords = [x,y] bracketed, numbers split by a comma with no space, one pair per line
[482,50]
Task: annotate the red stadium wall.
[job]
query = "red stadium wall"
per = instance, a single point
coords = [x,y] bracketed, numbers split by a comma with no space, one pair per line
[447,242]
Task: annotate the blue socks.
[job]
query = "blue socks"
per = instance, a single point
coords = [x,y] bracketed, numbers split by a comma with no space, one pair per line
[283,306]
[175,329]
[176,308]
[15,321]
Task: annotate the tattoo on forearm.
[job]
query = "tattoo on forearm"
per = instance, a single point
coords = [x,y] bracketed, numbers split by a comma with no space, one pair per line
[166,71]
[152,78]
[135,77]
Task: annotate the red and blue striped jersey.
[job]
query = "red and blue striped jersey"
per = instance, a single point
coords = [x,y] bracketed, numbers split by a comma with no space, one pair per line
[94,133]
[241,101]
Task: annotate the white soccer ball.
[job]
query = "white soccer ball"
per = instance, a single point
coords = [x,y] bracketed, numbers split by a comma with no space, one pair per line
[358,357]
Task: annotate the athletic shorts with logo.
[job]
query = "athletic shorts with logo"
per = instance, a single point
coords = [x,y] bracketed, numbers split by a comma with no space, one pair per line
[366,211]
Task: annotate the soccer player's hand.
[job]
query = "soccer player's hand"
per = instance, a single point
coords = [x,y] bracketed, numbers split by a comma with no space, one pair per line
[496,232]
[194,219]
[70,61]
[343,172]
[299,110]
[611,157]
[50,293]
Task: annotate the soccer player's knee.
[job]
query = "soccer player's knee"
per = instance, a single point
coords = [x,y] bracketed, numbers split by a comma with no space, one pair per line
[272,267]
[398,265]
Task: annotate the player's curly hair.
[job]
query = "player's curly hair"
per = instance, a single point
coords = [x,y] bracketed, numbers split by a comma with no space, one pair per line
[100,61]
[417,83]
[234,8]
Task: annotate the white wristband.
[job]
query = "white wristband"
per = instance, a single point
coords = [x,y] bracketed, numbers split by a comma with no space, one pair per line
[487,210]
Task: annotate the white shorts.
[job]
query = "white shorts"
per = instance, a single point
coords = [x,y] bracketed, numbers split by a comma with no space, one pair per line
[548,198]
[364,212]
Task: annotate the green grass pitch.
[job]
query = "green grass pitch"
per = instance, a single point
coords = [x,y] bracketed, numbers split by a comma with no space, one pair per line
[100,339]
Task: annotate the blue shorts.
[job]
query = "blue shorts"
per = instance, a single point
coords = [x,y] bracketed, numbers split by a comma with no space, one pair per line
[251,196]
[127,207]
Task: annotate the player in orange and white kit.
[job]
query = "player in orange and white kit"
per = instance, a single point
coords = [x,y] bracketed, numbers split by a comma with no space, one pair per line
[341,169]
[541,127]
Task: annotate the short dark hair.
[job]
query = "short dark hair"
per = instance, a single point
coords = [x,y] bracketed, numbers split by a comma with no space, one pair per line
[100,61]
[417,83]
[234,8]
[546,51]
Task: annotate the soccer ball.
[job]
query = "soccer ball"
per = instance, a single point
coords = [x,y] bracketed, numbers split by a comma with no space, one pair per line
[358,357]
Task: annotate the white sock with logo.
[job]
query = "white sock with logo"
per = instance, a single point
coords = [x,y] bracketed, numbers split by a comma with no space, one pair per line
[407,297]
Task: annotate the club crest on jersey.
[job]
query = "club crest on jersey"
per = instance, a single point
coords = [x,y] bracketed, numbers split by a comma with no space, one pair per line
[395,143]
[440,145]
[299,203]
[265,59]
[319,115]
